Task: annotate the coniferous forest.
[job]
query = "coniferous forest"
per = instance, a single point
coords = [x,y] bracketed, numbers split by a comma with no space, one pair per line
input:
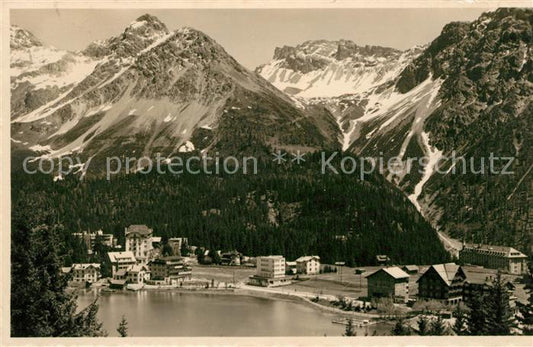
[287,209]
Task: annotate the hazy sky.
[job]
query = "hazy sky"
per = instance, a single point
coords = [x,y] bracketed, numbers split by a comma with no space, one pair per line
[251,35]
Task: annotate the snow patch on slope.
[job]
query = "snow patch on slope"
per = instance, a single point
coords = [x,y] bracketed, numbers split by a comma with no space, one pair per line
[433,155]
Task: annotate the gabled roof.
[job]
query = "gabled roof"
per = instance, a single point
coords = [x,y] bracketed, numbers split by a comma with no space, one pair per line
[117,256]
[307,258]
[395,272]
[506,251]
[137,268]
[138,229]
[271,257]
[117,282]
[120,273]
[167,260]
[446,271]
[83,266]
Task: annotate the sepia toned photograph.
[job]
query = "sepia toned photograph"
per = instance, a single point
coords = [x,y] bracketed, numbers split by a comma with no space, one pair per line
[260,172]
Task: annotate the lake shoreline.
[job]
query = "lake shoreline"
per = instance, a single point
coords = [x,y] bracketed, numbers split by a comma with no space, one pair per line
[171,307]
[258,293]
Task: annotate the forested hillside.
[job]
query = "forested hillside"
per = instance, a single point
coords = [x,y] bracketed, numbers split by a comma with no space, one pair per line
[291,210]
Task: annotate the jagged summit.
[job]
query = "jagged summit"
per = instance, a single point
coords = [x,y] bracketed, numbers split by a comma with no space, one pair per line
[138,35]
[323,68]
[316,54]
[147,22]
[20,38]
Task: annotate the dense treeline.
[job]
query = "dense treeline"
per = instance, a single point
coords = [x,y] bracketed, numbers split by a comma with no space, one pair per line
[40,304]
[289,209]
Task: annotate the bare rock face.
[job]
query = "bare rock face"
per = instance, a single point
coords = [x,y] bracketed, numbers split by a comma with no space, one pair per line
[485,107]
[332,68]
[468,91]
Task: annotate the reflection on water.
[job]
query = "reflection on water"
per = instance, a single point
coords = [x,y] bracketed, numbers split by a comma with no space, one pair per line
[170,313]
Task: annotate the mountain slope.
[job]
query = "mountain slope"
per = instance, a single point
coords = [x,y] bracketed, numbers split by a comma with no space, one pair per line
[289,210]
[156,91]
[469,92]
[40,74]
[485,108]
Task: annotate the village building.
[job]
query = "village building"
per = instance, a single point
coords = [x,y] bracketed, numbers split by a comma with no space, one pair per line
[139,241]
[85,272]
[442,282]
[137,274]
[270,272]
[121,275]
[90,239]
[230,258]
[291,267]
[390,282]
[478,282]
[309,265]
[382,259]
[411,269]
[494,257]
[121,261]
[170,270]
[177,243]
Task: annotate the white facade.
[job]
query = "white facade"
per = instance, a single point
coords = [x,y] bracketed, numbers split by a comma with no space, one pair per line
[272,266]
[309,265]
[137,274]
[495,257]
[86,272]
[121,261]
[139,241]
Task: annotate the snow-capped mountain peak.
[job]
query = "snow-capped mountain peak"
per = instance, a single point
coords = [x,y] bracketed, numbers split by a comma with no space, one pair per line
[20,38]
[332,68]
[155,90]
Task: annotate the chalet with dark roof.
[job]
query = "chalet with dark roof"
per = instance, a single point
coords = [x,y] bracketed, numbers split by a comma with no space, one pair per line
[442,282]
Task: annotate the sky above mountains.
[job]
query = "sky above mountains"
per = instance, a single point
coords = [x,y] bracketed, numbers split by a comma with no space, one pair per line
[251,35]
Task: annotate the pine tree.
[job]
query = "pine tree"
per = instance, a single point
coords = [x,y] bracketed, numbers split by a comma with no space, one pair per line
[438,327]
[123,327]
[40,306]
[167,250]
[459,327]
[184,249]
[215,257]
[400,329]
[350,329]
[477,315]
[500,319]
[423,327]
[526,310]
[87,323]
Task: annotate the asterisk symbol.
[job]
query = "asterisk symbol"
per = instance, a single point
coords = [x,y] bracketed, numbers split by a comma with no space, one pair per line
[279,156]
[298,157]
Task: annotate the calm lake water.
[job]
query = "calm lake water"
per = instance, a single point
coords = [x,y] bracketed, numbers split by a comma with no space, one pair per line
[162,313]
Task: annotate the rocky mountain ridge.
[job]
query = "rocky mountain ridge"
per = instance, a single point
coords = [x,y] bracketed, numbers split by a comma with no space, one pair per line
[155,91]
[332,68]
